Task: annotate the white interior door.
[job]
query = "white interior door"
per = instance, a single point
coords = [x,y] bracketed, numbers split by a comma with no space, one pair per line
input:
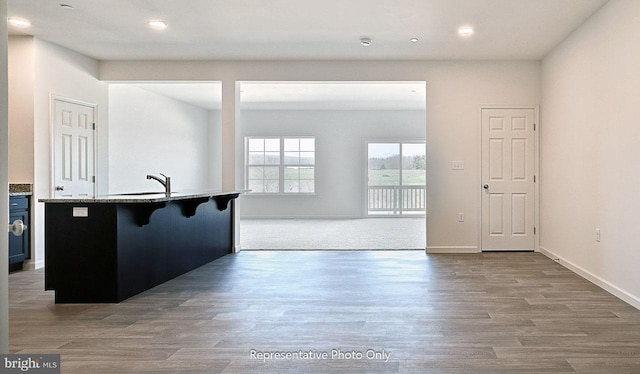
[73,148]
[508,169]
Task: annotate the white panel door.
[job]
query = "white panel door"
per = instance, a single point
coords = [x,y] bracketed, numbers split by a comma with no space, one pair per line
[73,149]
[508,190]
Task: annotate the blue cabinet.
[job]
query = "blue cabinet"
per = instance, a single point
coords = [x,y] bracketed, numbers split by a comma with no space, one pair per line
[19,246]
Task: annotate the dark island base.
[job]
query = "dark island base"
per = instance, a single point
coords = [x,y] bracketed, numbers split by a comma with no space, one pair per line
[109,256]
[16,266]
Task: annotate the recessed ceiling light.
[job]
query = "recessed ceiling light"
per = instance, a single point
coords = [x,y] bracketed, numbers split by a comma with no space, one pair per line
[413,40]
[157,24]
[18,22]
[365,42]
[66,6]
[465,31]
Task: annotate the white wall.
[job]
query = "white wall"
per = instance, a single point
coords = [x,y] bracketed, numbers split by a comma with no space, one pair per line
[339,156]
[4,182]
[65,73]
[455,92]
[150,134]
[590,143]
[215,150]
[21,70]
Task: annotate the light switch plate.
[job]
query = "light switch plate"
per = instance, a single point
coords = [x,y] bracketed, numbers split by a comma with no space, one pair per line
[457,165]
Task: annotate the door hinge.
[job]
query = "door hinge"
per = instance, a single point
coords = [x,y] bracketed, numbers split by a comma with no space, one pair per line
[94,126]
[534,127]
[534,230]
[93,179]
[534,179]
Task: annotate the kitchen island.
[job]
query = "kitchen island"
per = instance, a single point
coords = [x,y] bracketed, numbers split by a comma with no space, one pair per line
[109,248]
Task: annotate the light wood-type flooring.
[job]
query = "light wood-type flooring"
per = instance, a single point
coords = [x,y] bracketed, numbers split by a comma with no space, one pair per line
[477,313]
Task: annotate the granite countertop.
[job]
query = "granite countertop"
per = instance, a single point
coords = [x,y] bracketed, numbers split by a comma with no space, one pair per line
[142,197]
[20,189]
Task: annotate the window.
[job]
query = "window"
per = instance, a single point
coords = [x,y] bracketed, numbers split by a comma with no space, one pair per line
[263,166]
[396,182]
[281,165]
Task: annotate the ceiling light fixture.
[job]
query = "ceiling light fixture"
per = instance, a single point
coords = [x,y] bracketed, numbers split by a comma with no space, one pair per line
[157,24]
[465,31]
[18,22]
[365,42]
[413,40]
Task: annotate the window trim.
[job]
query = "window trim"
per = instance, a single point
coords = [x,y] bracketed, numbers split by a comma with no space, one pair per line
[281,166]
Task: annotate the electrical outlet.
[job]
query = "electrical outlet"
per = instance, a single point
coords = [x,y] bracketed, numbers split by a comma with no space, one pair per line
[598,235]
[457,165]
[460,217]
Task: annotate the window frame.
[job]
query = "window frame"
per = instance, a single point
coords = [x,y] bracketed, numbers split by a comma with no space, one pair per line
[281,166]
[264,164]
[365,170]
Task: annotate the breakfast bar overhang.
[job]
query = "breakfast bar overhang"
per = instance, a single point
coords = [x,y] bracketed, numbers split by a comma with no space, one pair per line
[107,249]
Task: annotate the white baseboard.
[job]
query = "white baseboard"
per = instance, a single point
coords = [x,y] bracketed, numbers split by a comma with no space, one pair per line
[453,249]
[607,286]
[298,217]
[33,265]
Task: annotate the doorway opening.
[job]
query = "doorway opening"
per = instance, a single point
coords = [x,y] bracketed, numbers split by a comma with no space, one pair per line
[154,126]
[300,159]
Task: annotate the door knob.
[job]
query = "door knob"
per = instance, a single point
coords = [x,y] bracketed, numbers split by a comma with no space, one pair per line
[17,227]
[59,188]
[486,186]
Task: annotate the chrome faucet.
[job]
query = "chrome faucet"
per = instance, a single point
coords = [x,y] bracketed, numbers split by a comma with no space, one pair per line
[166,183]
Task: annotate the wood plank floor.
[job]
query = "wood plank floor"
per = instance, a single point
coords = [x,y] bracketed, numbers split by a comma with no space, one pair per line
[479,313]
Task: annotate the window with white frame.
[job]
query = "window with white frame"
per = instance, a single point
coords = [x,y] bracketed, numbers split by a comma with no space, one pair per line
[280,165]
[263,165]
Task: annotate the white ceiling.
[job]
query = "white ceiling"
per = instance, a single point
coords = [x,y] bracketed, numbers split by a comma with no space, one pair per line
[204,95]
[300,95]
[304,29]
[333,95]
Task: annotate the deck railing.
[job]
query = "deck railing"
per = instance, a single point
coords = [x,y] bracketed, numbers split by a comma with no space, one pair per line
[396,199]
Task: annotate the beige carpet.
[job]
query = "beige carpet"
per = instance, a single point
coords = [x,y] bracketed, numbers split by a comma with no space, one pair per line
[314,234]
